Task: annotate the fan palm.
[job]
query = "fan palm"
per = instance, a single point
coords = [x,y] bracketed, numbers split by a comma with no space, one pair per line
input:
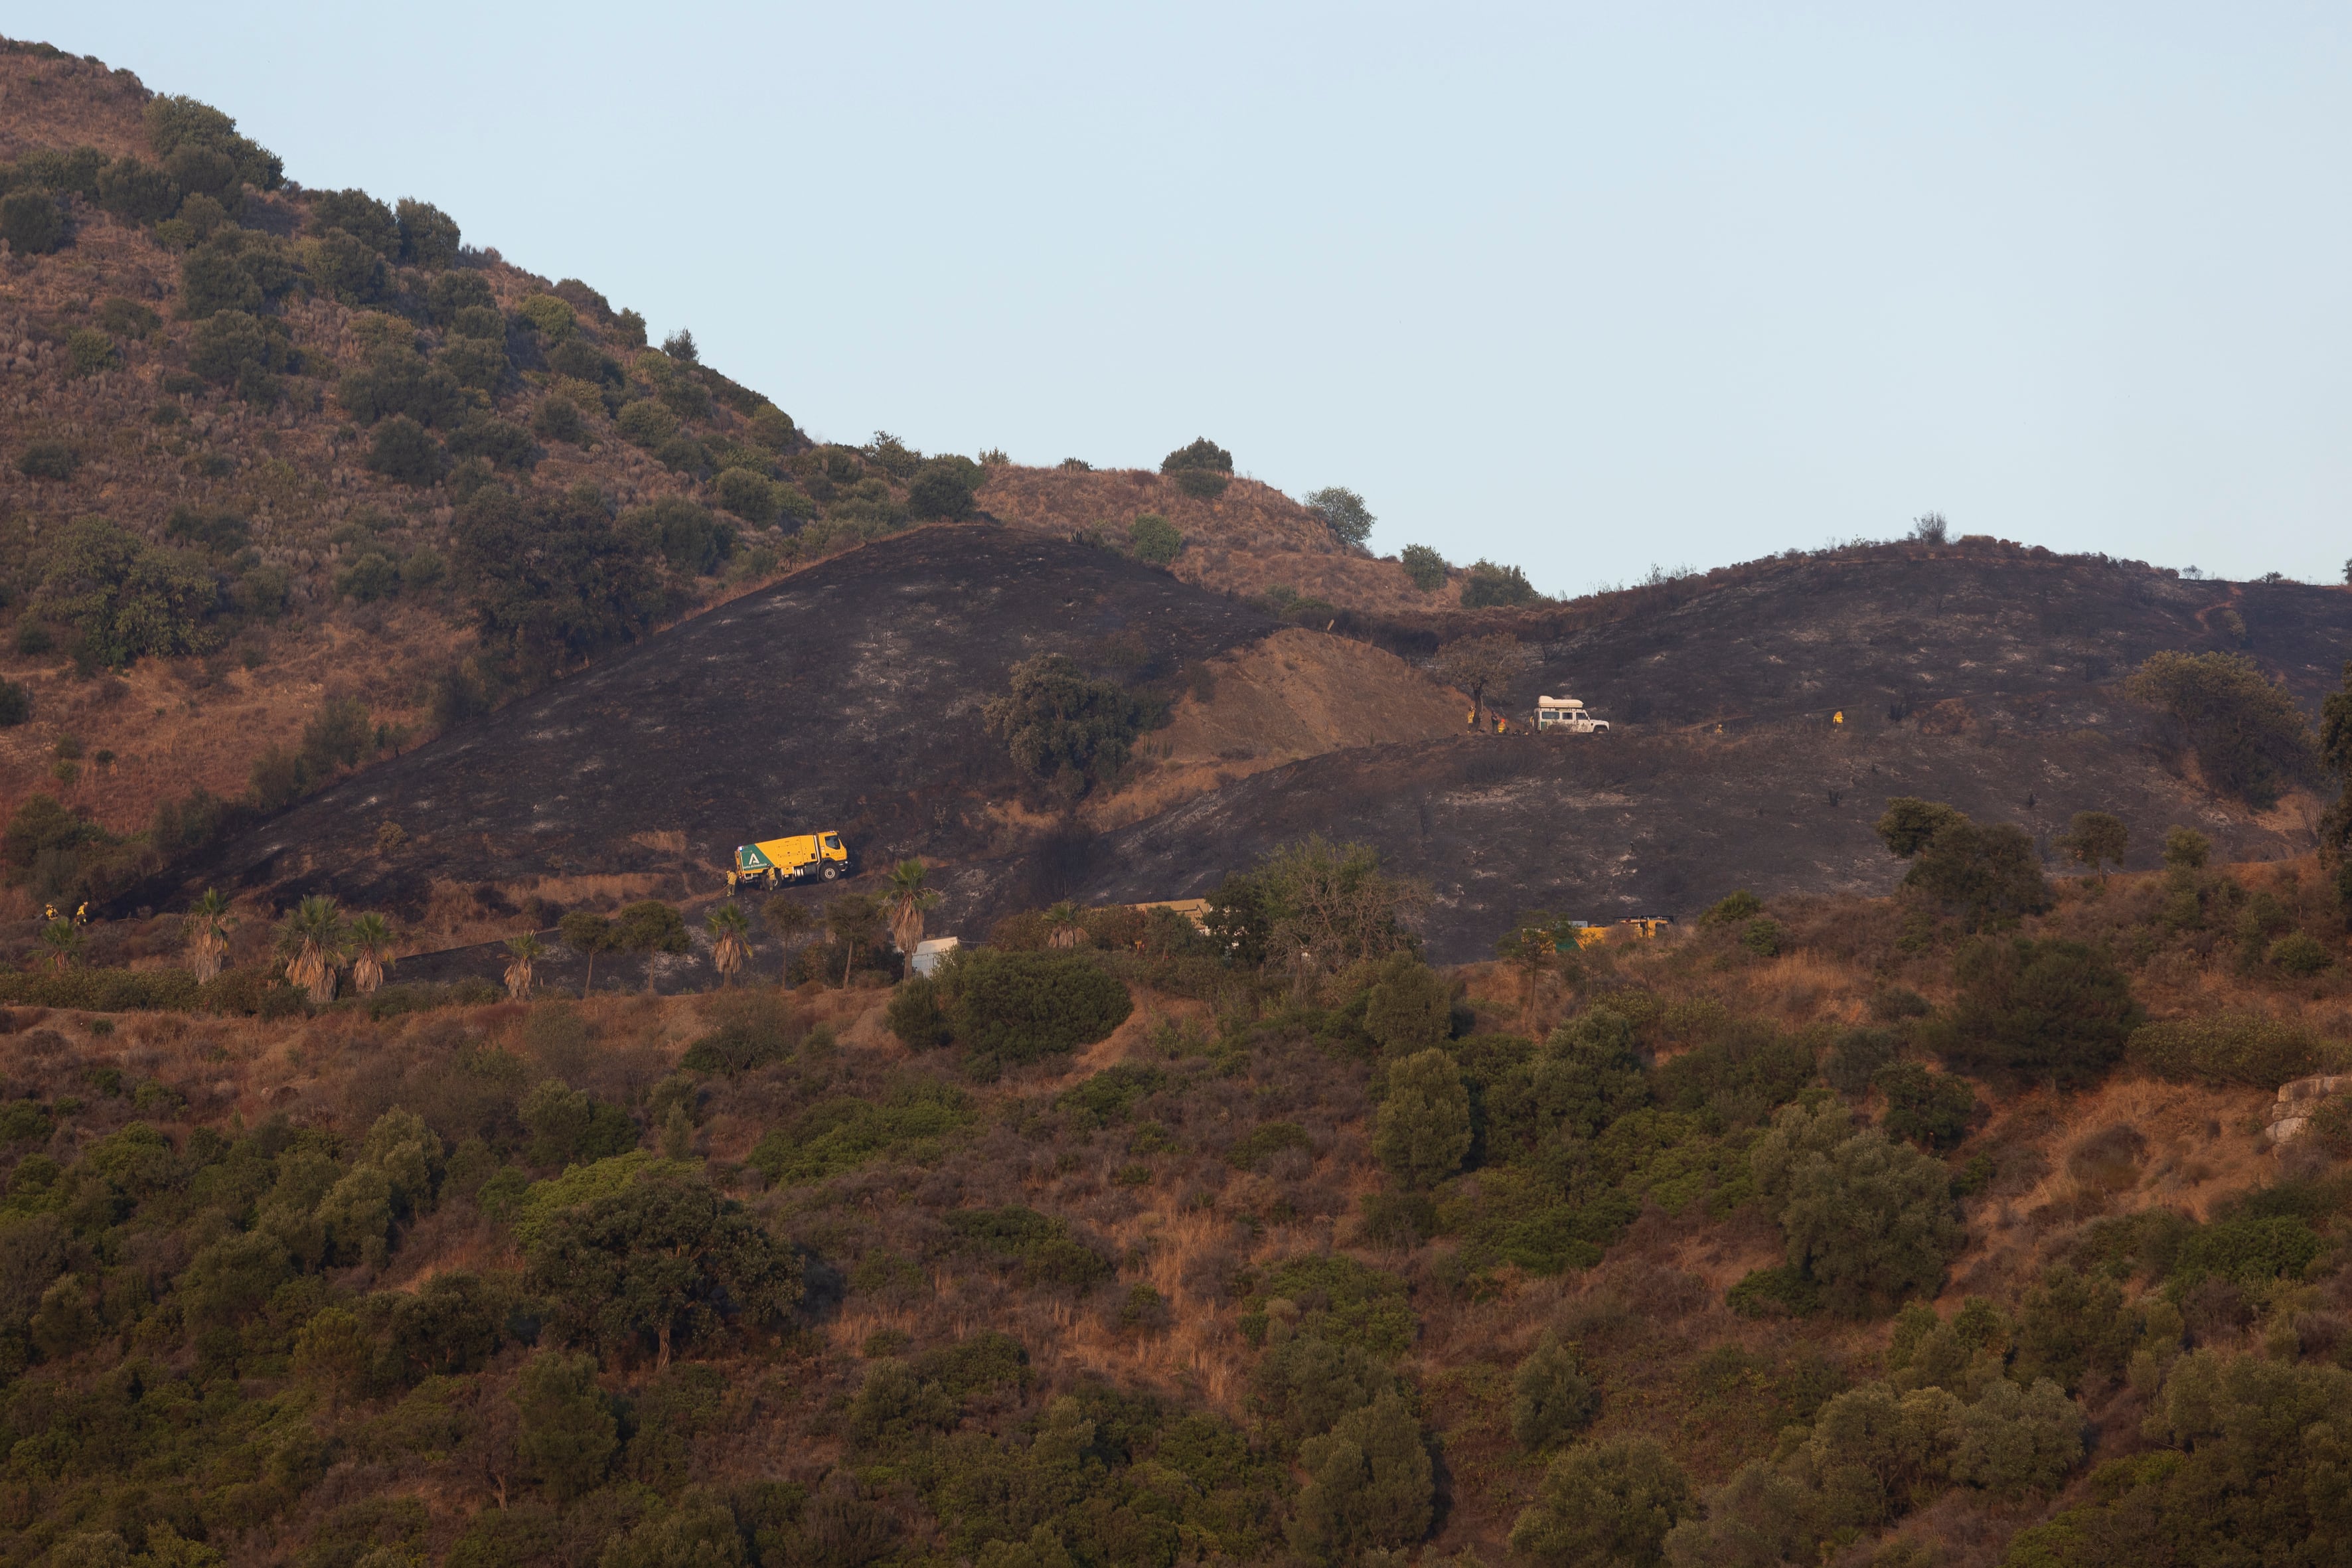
[523,951]
[730,944]
[905,902]
[372,942]
[209,923]
[312,941]
[63,939]
[1064,925]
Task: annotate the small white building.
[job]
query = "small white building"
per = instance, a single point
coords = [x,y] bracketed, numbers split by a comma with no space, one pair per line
[930,952]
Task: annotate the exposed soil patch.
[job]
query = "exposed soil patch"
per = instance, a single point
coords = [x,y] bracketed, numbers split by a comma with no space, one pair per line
[1298,694]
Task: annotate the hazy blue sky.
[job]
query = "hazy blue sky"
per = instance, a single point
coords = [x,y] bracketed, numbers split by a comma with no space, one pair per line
[1583,287]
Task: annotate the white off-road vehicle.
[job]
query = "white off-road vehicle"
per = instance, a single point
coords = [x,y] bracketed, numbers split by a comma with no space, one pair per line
[1567,716]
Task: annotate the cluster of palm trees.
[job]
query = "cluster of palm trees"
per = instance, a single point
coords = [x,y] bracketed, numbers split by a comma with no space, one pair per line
[852,918]
[317,941]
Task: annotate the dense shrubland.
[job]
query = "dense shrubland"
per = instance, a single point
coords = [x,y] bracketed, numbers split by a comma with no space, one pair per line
[1324,1252]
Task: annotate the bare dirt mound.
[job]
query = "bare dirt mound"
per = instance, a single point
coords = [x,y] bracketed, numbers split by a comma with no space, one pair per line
[846,696]
[1298,694]
[1602,828]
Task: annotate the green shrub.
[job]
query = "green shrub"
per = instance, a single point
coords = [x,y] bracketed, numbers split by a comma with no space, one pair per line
[371,577]
[548,316]
[32,223]
[1929,1109]
[1041,1246]
[1340,1299]
[1489,585]
[1776,1289]
[1264,1141]
[397,381]
[1201,454]
[1609,1503]
[1425,566]
[836,1136]
[1991,876]
[1762,936]
[942,488]
[452,292]
[2239,1479]
[2299,954]
[2250,740]
[136,191]
[48,461]
[1109,1097]
[1409,1007]
[1423,1128]
[914,1015]
[1055,718]
[1343,511]
[751,1032]
[88,352]
[2096,839]
[559,419]
[479,363]
[1202,484]
[15,703]
[1868,1221]
[584,360]
[646,423]
[686,535]
[429,236]
[748,496]
[566,1435]
[235,269]
[1154,539]
[127,318]
[347,266]
[1733,908]
[1370,1485]
[1551,1399]
[498,441]
[403,450]
[125,598]
[2050,1009]
[175,123]
[2249,1251]
[232,346]
[358,215]
[1017,1006]
[2227,1048]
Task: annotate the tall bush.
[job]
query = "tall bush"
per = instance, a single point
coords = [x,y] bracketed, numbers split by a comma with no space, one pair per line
[2250,740]
[1018,1006]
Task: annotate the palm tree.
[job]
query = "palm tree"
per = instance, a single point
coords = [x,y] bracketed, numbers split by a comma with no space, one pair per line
[730,944]
[526,948]
[905,902]
[312,941]
[372,937]
[789,920]
[209,923]
[63,939]
[1064,925]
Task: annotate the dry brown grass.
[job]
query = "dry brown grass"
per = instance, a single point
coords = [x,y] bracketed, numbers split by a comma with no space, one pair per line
[1250,539]
[1296,694]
